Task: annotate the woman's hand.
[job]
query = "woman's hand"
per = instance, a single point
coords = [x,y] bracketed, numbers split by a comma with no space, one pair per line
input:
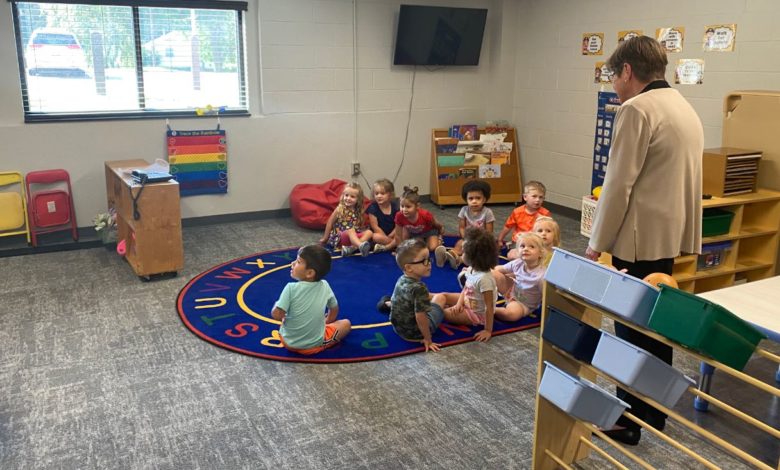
[592,254]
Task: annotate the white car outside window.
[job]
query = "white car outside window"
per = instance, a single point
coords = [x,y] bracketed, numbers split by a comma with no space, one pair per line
[54,51]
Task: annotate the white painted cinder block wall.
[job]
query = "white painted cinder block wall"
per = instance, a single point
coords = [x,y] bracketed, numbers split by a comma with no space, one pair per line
[555,97]
[301,88]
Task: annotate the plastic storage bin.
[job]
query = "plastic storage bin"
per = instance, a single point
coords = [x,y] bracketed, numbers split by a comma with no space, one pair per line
[715,222]
[571,335]
[704,326]
[621,294]
[712,255]
[580,398]
[640,370]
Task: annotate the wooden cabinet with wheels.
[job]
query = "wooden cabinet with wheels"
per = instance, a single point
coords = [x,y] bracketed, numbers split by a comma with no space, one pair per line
[148,220]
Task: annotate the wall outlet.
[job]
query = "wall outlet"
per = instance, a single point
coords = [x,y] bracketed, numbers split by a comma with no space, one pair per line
[355,169]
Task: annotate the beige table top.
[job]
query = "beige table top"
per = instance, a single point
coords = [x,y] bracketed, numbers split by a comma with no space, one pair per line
[756,302]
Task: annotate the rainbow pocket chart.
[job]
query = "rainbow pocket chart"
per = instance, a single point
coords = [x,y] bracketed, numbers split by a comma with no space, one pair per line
[198,161]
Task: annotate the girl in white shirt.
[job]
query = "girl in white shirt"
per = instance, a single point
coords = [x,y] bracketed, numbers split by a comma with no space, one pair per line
[520,280]
[475,304]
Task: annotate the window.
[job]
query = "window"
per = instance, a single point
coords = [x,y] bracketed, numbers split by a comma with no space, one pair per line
[109,59]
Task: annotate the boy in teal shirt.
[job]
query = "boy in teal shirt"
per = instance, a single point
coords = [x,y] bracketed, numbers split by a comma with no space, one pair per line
[302,305]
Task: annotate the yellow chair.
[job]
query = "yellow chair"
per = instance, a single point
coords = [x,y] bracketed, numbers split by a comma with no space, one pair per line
[13,205]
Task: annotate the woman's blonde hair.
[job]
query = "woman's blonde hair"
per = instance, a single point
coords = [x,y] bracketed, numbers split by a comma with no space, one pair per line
[556,228]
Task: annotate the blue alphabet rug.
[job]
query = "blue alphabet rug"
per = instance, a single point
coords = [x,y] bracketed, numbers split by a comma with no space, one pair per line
[230,306]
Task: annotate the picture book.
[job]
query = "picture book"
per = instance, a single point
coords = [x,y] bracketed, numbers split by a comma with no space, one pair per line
[446,145]
[470,146]
[476,159]
[467,132]
[499,158]
[489,171]
[468,172]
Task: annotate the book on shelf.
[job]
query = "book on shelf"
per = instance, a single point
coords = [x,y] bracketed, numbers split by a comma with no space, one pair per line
[499,158]
[476,159]
[464,131]
[467,172]
[469,146]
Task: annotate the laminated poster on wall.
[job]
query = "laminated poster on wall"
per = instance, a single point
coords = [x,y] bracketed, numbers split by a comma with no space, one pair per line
[689,72]
[592,43]
[671,38]
[608,104]
[719,38]
[628,34]
[198,161]
[601,74]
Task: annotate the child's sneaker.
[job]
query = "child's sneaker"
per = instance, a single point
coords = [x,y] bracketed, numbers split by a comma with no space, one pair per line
[440,253]
[347,250]
[452,259]
[365,248]
[383,305]
[379,248]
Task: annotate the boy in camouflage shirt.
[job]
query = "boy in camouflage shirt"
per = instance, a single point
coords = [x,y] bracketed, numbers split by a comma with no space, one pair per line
[413,316]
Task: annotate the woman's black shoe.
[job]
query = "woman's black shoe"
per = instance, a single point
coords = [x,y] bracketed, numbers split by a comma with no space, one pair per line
[626,436]
[382,306]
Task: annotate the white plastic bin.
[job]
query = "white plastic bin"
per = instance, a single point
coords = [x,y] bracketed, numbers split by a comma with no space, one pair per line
[640,370]
[580,398]
[621,294]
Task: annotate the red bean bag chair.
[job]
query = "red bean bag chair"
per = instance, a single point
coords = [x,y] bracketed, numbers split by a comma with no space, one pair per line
[312,204]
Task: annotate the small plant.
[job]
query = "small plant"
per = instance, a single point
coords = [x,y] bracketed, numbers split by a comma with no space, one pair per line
[105,225]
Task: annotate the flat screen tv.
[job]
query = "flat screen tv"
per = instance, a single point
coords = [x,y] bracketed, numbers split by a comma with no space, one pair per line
[439,35]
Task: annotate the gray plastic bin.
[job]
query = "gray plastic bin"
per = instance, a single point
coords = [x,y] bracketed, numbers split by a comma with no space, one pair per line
[580,398]
[640,370]
[621,294]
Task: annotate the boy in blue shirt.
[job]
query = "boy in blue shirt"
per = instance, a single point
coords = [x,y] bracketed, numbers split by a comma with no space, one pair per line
[302,305]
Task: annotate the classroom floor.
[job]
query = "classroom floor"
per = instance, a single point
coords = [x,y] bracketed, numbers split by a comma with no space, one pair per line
[97,371]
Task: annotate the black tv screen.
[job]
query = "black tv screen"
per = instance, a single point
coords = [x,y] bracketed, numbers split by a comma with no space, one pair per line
[439,35]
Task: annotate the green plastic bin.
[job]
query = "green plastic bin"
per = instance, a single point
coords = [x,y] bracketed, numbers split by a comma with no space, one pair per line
[704,326]
[715,222]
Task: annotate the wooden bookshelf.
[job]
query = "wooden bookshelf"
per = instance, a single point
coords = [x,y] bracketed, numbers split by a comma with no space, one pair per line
[446,192]
[754,235]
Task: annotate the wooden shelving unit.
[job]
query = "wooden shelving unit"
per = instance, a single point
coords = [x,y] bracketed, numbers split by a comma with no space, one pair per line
[561,440]
[507,188]
[754,237]
[153,242]
[754,234]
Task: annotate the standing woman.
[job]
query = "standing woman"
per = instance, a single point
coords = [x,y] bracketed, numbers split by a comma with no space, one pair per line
[650,208]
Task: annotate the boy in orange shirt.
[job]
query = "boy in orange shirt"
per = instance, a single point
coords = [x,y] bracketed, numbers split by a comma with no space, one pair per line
[523,218]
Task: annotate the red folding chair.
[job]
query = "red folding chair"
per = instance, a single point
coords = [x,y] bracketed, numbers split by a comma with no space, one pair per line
[50,203]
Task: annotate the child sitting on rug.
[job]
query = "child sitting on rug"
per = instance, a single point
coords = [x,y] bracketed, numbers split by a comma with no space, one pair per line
[550,233]
[302,305]
[474,214]
[413,316]
[346,226]
[475,304]
[381,215]
[520,280]
[522,219]
[412,221]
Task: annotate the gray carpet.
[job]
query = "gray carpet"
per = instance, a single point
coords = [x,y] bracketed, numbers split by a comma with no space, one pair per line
[97,371]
